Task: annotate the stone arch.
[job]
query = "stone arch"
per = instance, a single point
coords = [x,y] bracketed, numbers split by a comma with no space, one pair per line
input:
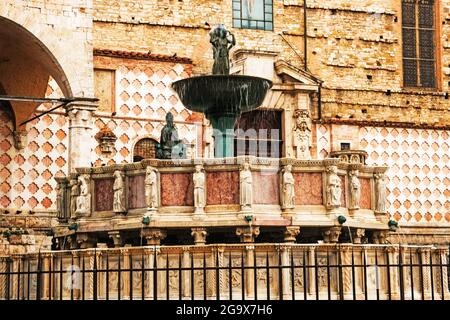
[25,67]
[142,140]
[54,43]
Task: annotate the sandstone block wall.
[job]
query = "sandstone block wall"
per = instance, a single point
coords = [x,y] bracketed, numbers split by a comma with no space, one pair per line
[347,42]
[65,28]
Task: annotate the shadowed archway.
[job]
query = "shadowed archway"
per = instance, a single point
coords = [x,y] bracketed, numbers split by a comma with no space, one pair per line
[25,67]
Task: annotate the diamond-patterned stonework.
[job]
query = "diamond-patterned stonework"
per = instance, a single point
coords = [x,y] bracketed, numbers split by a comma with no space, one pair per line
[418,177]
[143,98]
[418,180]
[31,170]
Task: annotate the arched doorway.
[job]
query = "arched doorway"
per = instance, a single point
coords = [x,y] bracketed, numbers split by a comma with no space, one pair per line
[144,149]
[26,65]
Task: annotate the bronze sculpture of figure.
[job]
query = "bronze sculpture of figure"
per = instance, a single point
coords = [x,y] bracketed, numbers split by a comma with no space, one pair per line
[170,146]
[222,41]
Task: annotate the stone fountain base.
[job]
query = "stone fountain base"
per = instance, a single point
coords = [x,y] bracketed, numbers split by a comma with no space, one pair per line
[217,204]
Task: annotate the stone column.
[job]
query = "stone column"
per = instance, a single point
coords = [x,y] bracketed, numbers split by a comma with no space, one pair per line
[442,259]
[76,278]
[347,279]
[199,235]
[45,276]
[424,254]
[331,235]
[152,256]
[71,244]
[85,240]
[247,234]
[249,274]
[186,263]
[357,235]
[3,277]
[291,233]
[285,272]
[80,133]
[116,238]
[153,236]
[311,271]
[379,236]
[126,275]
[392,255]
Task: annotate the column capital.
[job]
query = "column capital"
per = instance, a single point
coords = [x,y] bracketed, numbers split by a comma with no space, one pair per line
[247,234]
[83,104]
[199,235]
[153,235]
[291,233]
[331,235]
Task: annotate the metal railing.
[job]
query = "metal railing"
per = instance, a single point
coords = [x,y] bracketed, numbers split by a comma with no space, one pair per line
[228,272]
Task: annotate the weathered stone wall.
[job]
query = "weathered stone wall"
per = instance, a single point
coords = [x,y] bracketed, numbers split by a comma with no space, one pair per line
[347,42]
[65,28]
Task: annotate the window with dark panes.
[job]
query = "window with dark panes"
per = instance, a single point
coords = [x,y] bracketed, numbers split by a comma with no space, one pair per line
[253,14]
[258,133]
[144,149]
[418,33]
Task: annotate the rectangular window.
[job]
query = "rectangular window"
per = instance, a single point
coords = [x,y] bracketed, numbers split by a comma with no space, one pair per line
[253,14]
[418,33]
[104,82]
[258,133]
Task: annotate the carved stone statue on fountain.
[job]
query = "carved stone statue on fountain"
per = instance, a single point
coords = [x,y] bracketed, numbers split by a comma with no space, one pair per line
[170,147]
[84,197]
[222,41]
[288,188]
[380,193]
[333,191]
[151,189]
[302,134]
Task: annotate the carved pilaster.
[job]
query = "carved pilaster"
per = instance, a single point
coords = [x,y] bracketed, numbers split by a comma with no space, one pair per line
[331,235]
[247,234]
[153,236]
[291,233]
[199,235]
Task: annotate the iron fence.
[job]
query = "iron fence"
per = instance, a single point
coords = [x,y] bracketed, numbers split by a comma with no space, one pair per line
[229,272]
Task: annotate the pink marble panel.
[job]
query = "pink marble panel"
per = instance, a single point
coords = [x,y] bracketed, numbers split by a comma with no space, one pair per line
[366,194]
[104,194]
[343,192]
[177,189]
[266,187]
[222,187]
[308,188]
[136,192]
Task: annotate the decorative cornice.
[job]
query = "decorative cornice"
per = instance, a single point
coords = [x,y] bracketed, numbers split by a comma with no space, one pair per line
[141,56]
[391,124]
